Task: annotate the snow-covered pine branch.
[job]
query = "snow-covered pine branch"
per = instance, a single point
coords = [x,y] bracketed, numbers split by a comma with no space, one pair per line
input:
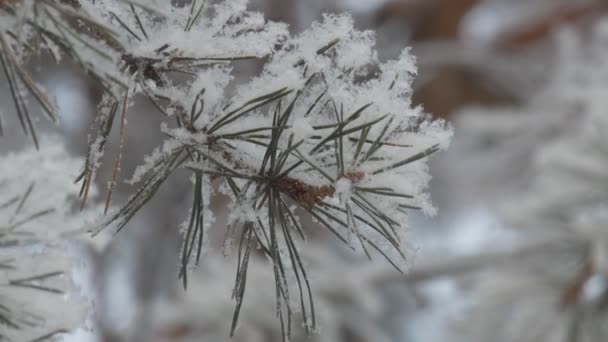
[325,130]
[41,263]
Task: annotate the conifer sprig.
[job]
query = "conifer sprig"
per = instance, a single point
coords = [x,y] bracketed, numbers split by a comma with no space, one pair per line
[325,130]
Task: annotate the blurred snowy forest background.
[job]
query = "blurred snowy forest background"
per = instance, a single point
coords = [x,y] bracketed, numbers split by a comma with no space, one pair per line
[517,252]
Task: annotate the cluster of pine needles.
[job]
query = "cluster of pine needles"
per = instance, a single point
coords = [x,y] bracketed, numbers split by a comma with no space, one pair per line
[14,234]
[272,185]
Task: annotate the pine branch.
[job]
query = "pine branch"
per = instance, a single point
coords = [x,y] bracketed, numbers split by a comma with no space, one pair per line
[315,132]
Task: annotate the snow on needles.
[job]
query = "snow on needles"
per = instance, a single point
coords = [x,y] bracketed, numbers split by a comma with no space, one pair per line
[39,262]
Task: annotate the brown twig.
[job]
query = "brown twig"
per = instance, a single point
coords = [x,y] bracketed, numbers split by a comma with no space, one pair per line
[311,195]
[305,194]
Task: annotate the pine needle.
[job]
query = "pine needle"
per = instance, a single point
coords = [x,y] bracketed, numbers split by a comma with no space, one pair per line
[117,161]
